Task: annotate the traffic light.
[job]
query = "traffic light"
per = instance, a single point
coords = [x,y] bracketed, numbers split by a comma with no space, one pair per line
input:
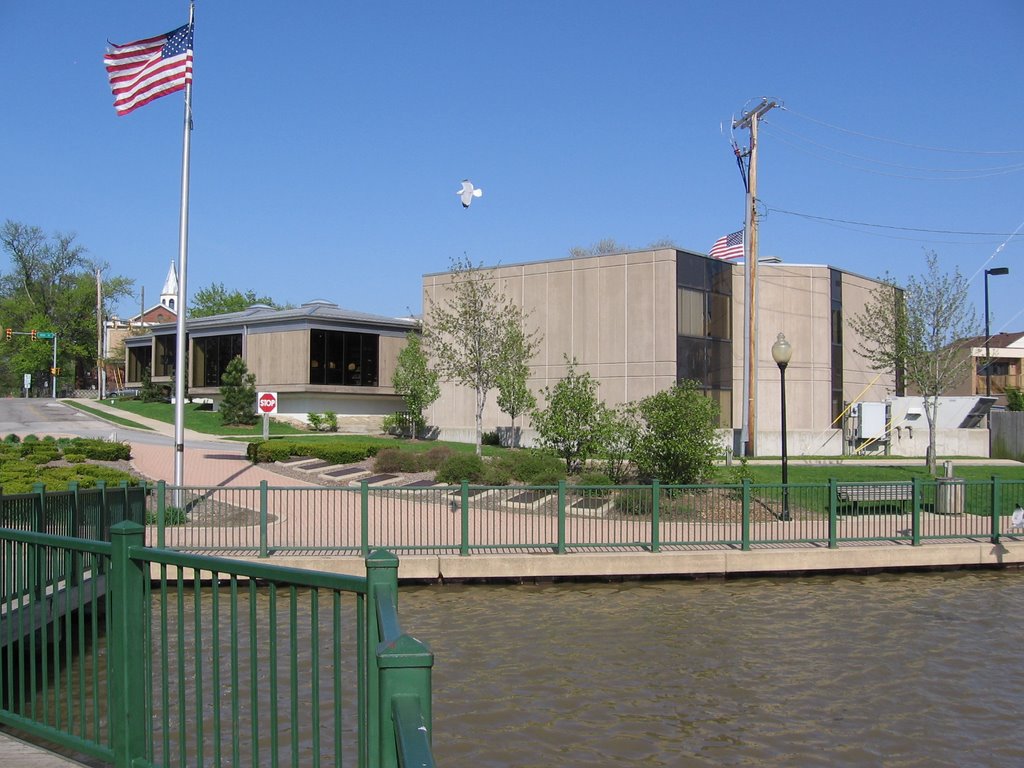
[32,333]
[10,333]
[55,371]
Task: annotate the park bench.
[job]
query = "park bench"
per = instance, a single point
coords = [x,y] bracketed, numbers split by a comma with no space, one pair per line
[875,492]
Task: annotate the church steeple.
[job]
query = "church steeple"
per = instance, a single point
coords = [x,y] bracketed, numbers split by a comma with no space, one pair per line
[169,294]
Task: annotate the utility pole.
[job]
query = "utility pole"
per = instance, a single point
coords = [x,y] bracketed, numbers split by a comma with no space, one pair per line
[99,336]
[750,120]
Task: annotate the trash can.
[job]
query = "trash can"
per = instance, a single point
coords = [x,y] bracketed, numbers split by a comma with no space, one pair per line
[949,496]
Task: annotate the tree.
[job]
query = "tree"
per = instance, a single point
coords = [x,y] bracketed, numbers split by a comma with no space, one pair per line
[514,396]
[574,422]
[1014,399]
[611,245]
[215,299]
[415,381]
[675,439]
[467,333]
[51,286]
[238,394]
[918,333]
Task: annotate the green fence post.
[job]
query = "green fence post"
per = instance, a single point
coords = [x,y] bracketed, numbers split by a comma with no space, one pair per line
[561,518]
[997,502]
[405,669]
[833,514]
[39,526]
[39,508]
[745,526]
[129,707]
[103,523]
[161,512]
[464,518]
[364,518]
[263,519]
[655,515]
[915,512]
[381,574]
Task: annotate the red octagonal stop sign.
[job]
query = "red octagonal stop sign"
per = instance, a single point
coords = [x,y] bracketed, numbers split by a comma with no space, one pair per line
[266,402]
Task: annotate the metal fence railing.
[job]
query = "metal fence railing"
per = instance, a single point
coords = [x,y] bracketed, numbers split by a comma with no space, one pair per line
[563,518]
[146,657]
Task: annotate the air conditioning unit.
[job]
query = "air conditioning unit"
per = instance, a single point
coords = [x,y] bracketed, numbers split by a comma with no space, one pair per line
[870,421]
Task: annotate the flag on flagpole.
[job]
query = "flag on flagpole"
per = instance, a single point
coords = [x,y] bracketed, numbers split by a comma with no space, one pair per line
[728,246]
[148,69]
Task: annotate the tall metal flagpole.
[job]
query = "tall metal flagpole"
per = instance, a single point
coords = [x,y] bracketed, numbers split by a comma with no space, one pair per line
[180,347]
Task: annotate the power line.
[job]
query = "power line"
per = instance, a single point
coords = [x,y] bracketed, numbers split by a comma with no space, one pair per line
[999,168]
[890,226]
[903,143]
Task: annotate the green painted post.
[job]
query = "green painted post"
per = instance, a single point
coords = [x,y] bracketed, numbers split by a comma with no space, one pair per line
[364,518]
[263,519]
[129,707]
[405,670]
[655,515]
[833,514]
[161,513]
[103,524]
[561,517]
[745,532]
[997,502]
[39,526]
[381,574]
[464,518]
[915,512]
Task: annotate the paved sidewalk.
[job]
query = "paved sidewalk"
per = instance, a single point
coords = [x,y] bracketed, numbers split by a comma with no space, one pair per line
[209,460]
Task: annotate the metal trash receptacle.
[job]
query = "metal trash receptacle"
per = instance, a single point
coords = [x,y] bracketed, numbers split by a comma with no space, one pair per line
[949,495]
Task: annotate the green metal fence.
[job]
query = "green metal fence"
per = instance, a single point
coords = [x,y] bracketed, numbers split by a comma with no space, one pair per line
[481,519]
[150,657]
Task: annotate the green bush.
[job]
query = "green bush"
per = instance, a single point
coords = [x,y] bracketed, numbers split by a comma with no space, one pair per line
[491,438]
[459,467]
[12,438]
[595,478]
[397,460]
[97,450]
[267,451]
[75,458]
[435,457]
[172,516]
[496,474]
[533,467]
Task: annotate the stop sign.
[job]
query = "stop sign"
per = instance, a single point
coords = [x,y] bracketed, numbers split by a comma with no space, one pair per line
[266,402]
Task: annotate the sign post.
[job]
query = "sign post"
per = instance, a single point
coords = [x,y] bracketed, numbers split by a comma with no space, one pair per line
[28,383]
[266,403]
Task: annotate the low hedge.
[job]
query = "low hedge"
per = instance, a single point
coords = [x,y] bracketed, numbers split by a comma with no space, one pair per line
[267,451]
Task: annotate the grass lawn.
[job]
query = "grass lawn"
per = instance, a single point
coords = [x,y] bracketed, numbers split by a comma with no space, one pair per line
[199,419]
[856,471]
[105,415]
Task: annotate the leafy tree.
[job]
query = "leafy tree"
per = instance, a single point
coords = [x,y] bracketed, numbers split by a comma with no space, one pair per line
[415,381]
[574,422]
[917,333]
[238,394]
[514,396]
[1014,399]
[215,299]
[611,245]
[467,333]
[50,285]
[675,438]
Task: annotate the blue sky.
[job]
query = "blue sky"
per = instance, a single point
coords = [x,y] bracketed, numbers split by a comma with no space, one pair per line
[330,137]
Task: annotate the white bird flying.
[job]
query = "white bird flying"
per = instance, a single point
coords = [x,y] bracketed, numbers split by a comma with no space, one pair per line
[468,192]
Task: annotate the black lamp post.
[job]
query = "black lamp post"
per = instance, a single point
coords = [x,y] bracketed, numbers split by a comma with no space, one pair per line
[782,351]
[988,359]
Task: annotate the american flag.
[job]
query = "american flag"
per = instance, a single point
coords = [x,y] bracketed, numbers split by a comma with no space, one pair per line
[728,246]
[148,69]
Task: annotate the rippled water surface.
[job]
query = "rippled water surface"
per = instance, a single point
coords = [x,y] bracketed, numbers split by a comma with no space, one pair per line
[880,670]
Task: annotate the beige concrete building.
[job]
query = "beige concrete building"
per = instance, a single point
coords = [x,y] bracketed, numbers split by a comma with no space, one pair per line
[316,357]
[640,321]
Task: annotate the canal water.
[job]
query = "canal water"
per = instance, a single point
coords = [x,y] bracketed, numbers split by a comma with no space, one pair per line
[874,670]
[898,671]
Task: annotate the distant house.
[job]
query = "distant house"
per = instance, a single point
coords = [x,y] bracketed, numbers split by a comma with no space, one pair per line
[317,357]
[1006,368]
[117,329]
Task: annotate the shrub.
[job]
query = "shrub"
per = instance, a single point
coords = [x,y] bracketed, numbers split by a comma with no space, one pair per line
[595,478]
[435,457]
[238,394]
[265,452]
[676,437]
[330,421]
[533,467]
[496,474]
[396,460]
[459,467]
[12,438]
[315,421]
[97,450]
[491,438]
[172,516]
[75,458]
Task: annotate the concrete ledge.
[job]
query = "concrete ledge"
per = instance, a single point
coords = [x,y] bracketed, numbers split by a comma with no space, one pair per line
[411,567]
[596,564]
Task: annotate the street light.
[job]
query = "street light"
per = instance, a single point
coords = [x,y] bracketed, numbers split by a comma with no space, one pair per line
[782,351]
[988,359]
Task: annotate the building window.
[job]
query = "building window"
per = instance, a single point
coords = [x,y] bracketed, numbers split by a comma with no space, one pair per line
[164,355]
[343,358]
[211,355]
[139,359]
[836,296]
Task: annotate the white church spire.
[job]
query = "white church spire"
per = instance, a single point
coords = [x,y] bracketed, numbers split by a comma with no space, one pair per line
[169,294]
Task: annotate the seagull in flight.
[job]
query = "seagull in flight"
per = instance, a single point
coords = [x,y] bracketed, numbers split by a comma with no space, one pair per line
[468,192]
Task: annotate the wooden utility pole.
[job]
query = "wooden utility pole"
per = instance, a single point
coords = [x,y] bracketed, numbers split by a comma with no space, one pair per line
[99,336]
[750,120]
